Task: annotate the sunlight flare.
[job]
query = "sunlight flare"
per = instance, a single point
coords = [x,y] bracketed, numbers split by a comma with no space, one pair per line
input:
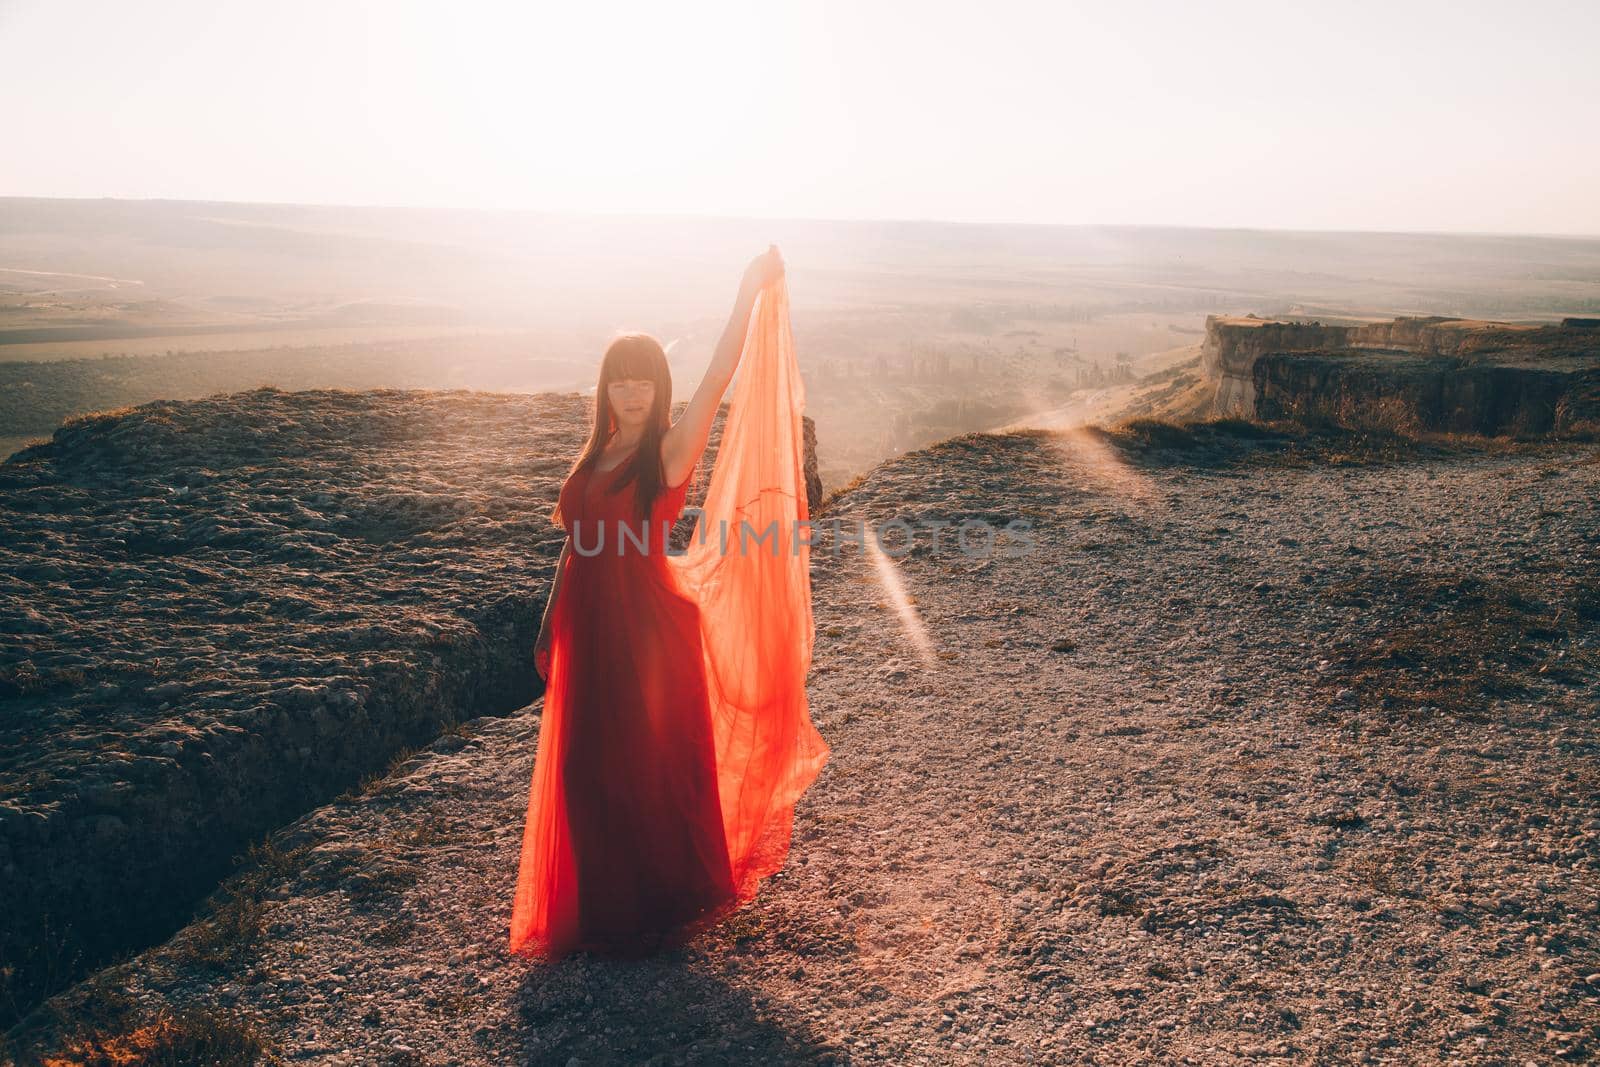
[1084,449]
[911,624]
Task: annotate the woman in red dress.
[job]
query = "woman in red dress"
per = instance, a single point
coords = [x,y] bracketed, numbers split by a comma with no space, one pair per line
[675,736]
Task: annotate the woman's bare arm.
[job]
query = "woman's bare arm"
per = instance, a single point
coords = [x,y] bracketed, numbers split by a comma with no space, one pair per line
[560,575]
[541,645]
[686,438]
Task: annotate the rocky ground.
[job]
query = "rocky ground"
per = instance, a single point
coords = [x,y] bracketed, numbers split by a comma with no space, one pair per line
[217,615]
[1274,747]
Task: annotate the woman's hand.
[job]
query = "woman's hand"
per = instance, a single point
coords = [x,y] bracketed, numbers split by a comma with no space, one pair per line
[763,271]
[541,654]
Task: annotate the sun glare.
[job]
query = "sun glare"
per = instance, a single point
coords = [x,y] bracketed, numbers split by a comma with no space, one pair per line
[911,624]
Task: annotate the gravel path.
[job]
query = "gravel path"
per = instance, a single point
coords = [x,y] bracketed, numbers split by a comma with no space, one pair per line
[1272,749]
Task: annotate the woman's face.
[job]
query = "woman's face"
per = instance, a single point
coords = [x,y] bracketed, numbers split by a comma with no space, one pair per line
[631,399]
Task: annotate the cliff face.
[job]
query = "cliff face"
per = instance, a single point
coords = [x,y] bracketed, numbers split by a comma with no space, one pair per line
[1232,346]
[217,614]
[1450,395]
[1415,373]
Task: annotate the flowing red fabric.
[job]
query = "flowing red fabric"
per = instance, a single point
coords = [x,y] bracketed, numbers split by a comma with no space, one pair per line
[676,736]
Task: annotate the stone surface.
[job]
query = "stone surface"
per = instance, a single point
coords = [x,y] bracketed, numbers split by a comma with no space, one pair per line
[1275,748]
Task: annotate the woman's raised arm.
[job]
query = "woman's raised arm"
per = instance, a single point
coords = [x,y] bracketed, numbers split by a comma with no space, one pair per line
[686,438]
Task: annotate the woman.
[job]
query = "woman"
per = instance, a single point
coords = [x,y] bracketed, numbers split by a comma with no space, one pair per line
[675,736]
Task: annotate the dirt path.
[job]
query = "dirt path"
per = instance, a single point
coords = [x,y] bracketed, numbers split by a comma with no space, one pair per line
[1149,793]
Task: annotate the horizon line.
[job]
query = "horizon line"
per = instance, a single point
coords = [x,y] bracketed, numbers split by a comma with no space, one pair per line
[705,216]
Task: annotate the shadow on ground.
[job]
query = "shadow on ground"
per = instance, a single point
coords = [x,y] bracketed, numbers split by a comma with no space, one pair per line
[659,1010]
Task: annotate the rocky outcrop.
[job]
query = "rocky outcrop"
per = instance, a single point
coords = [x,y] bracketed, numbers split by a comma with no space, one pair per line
[1233,345]
[217,614]
[1441,374]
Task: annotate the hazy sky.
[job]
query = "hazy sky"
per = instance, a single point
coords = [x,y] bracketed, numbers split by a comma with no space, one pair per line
[1391,115]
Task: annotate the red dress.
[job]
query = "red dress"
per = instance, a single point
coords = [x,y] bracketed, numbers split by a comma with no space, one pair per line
[675,736]
[625,765]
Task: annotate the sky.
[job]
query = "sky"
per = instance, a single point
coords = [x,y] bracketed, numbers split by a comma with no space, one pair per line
[1399,115]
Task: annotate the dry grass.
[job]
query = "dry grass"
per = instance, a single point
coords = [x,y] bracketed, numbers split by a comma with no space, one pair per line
[460,728]
[1385,869]
[429,832]
[832,497]
[104,415]
[26,680]
[123,1033]
[51,964]
[1225,441]
[230,932]
[377,885]
[1457,642]
[1228,441]
[1169,433]
[232,927]
[374,783]
[395,931]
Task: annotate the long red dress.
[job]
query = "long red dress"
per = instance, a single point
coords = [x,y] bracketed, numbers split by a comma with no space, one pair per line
[675,736]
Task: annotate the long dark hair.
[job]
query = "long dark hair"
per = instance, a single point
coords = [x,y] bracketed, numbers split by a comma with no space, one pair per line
[630,355]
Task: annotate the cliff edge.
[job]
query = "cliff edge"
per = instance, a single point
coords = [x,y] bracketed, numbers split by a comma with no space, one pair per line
[1429,374]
